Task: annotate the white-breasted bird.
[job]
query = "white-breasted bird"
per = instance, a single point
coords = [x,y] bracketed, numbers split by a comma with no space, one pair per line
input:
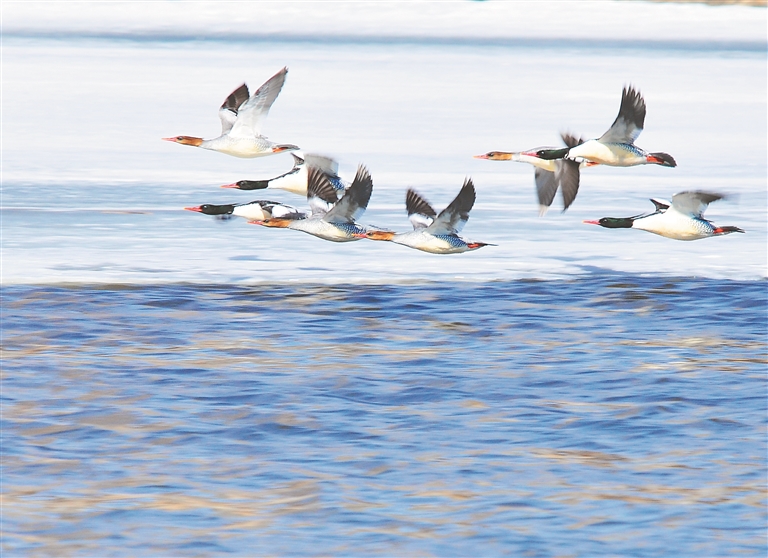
[616,147]
[680,220]
[296,179]
[437,234]
[241,120]
[550,173]
[257,209]
[332,218]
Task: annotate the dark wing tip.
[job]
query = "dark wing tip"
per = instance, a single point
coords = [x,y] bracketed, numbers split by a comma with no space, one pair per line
[280,73]
[632,106]
[706,197]
[416,204]
[363,178]
[465,199]
[362,187]
[318,186]
[570,140]
[568,177]
[236,98]
[546,186]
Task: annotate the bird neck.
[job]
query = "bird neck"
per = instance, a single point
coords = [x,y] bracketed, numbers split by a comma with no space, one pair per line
[616,222]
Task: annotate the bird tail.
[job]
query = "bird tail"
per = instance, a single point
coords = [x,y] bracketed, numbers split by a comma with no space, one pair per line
[727,230]
[663,159]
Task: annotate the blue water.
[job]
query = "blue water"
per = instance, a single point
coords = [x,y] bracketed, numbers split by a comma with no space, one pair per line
[609,414]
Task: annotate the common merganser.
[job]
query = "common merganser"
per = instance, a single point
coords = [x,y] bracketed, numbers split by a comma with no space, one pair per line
[241,120]
[616,147]
[331,219]
[295,180]
[257,209]
[679,220]
[549,174]
[437,234]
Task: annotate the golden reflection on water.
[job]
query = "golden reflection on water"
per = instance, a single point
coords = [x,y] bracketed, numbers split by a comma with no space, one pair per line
[405,465]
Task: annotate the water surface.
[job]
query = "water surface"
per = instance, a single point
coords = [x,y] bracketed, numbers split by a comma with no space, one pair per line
[611,414]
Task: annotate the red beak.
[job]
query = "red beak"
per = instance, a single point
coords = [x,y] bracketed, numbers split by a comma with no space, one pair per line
[168,139]
[484,156]
[591,222]
[233,185]
[194,209]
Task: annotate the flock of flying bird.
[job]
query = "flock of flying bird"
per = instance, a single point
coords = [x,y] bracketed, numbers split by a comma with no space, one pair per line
[335,206]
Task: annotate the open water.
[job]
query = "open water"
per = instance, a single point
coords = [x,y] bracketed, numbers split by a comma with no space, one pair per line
[174,385]
[611,414]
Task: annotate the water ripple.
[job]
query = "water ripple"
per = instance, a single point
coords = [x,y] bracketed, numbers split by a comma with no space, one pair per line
[612,414]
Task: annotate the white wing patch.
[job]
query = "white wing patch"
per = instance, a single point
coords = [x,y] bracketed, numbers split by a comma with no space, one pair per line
[254,111]
[694,203]
[630,120]
[453,218]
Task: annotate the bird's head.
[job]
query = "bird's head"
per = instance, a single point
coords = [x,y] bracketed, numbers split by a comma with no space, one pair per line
[185,140]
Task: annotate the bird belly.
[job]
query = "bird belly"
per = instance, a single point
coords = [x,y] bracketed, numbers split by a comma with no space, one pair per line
[325,230]
[674,225]
[252,212]
[245,148]
[440,244]
[611,154]
[544,164]
[296,182]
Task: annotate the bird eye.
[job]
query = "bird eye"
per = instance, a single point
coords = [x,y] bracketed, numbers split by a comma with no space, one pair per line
[180,138]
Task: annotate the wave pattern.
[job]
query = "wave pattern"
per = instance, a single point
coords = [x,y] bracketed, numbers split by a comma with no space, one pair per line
[606,414]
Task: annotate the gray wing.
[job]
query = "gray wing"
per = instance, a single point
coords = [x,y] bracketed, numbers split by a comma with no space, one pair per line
[567,175]
[355,200]
[571,140]
[453,218]
[230,106]
[694,203]
[420,213]
[325,164]
[546,187]
[254,111]
[629,122]
[321,195]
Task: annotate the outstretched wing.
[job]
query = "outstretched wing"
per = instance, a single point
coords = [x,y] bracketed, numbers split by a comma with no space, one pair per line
[694,203]
[321,195]
[254,111]
[355,200]
[567,174]
[629,122]
[546,187]
[453,218]
[228,110]
[420,213]
[325,164]
[571,140]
